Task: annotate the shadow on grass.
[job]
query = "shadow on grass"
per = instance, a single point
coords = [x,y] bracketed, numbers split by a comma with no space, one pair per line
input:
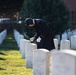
[9,43]
[8,48]
[1,53]
[2,68]
[2,59]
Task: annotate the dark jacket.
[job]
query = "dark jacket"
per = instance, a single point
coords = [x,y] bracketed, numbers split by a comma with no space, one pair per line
[45,34]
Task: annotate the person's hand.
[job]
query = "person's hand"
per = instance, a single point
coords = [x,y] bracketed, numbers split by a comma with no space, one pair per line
[31,39]
[39,39]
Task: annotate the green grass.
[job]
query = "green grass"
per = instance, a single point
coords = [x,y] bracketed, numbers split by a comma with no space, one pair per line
[11,62]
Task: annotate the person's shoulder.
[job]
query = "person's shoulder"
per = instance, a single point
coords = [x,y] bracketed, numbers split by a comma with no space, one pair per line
[39,20]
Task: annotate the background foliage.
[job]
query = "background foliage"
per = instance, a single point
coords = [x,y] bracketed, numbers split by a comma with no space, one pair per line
[53,12]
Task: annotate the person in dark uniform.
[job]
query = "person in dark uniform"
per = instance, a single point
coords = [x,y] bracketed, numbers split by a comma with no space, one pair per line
[43,31]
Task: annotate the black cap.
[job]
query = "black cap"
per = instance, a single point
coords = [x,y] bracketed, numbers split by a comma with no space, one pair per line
[28,21]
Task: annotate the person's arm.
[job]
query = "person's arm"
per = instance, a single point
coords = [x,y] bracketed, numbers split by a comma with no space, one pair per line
[35,37]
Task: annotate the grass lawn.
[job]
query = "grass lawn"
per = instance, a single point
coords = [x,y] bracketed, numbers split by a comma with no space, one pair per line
[11,62]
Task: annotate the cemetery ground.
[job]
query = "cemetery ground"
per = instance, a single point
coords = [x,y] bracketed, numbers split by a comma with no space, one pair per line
[11,62]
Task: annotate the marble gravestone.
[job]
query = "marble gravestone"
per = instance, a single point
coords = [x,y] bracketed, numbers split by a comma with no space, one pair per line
[29,54]
[74,32]
[56,43]
[64,62]
[69,34]
[58,37]
[64,36]
[41,62]
[65,44]
[73,42]
[22,47]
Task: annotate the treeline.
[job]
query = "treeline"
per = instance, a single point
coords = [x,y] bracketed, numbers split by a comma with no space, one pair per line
[54,12]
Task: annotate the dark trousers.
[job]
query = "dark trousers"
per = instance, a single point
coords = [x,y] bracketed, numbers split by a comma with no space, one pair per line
[46,44]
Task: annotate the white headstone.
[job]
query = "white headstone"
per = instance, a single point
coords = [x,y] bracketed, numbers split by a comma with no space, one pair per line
[64,63]
[20,37]
[22,47]
[41,62]
[29,54]
[64,36]
[65,44]
[58,37]
[69,34]
[26,47]
[74,32]
[73,42]
[56,43]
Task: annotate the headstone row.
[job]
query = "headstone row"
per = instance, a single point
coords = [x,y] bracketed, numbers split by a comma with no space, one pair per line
[44,62]
[18,37]
[26,49]
[66,41]
[67,34]
[65,44]
[3,35]
[37,59]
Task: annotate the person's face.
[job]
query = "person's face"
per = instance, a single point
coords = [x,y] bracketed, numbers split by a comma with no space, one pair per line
[31,25]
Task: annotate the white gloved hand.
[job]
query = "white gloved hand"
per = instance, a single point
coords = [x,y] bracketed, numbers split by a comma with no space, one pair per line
[39,39]
[31,39]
